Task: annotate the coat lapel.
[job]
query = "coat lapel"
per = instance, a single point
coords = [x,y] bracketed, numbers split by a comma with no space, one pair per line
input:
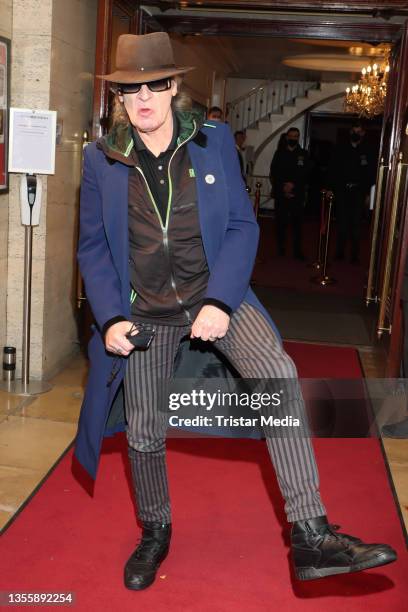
[115,218]
[211,198]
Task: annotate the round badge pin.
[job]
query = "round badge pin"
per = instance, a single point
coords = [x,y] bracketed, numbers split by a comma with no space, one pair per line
[210,179]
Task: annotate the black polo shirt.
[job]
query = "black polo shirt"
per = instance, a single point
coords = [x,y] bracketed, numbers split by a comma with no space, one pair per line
[155,168]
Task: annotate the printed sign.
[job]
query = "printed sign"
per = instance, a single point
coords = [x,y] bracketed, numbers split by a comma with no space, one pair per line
[32,141]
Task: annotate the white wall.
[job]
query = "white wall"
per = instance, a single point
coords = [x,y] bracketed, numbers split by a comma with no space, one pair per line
[239,87]
[335,106]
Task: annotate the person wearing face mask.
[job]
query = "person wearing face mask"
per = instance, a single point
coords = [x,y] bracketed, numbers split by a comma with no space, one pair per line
[350,176]
[289,175]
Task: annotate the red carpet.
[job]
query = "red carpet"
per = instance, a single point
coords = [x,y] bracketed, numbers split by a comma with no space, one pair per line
[229,549]
[322,361]
[289,273]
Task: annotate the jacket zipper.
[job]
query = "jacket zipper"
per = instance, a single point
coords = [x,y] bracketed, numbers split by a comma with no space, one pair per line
[164,227]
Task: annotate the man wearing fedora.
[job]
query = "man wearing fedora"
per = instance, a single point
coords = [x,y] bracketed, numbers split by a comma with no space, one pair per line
[167,245]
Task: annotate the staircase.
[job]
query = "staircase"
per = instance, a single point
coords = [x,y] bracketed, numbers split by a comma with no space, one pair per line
[262,134]
[261,102]
[262,138]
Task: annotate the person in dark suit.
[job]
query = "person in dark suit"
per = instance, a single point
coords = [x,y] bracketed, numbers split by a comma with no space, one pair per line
[289,174]
[172,246]
[350,176]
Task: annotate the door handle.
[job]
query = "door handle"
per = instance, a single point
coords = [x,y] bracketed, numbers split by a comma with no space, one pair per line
[389,253]
[377,205]
[79,284]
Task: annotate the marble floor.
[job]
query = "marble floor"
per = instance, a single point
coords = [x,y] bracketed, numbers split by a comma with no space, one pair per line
[35,431]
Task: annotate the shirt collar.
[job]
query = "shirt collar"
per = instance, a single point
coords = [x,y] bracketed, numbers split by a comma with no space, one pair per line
[140,145]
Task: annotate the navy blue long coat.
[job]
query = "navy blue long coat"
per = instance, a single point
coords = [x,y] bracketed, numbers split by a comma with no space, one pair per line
[230,237]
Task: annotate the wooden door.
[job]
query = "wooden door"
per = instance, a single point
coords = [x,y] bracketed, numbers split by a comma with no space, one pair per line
[392,244]
[382,186]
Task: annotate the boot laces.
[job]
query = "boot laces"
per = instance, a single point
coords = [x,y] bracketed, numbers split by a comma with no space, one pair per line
[147,549]
[331,529]
[329,532]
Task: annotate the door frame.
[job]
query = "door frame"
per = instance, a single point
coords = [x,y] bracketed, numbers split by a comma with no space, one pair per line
[389,8]
[400,124]
[276,28]
[103,51]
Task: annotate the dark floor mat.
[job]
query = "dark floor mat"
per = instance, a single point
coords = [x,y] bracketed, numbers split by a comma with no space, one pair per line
[319,318]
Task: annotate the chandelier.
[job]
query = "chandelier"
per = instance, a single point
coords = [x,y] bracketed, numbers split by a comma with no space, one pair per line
[367,98]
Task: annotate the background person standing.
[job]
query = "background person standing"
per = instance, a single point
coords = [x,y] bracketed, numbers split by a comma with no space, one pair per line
[289,174]
[215,114]
[351,174]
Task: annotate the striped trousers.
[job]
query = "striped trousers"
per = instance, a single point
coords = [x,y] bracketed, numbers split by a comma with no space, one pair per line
[253,349]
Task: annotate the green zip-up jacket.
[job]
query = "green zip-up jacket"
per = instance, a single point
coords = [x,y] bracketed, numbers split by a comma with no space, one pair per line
[167,265]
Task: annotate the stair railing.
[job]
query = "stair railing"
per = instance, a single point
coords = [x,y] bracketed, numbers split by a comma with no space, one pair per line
[261,102]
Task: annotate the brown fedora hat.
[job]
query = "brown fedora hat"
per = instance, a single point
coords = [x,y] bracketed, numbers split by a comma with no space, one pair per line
[143,58]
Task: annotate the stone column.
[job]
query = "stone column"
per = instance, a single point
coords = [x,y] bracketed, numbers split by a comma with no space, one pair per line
[53,56]
[30,88]
[71,92]
[6,25]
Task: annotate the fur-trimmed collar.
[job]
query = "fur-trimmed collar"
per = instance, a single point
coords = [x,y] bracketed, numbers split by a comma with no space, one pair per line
[118,143]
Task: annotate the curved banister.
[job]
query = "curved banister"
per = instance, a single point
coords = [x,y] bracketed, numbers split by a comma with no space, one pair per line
[267,98]
[291,121]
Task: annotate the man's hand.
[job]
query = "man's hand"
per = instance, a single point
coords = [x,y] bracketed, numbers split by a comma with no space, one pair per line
[115,340]
[288,189]
[211,323]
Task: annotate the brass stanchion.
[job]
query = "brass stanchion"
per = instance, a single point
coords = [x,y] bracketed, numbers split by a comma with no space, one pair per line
[258,186]
[323,279]
[257,202]
[317,264]
[371,288]
[385,299]
[81,299]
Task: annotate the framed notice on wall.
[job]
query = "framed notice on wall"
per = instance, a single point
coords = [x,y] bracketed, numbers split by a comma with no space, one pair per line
[32,141]
[4,109]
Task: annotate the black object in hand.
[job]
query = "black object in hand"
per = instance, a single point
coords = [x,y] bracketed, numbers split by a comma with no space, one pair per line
[144,337]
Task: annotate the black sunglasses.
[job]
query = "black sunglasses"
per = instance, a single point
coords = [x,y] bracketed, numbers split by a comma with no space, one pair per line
[155,86]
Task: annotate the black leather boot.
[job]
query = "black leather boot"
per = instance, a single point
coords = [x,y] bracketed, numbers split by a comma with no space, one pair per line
[319,551]
[142,565]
